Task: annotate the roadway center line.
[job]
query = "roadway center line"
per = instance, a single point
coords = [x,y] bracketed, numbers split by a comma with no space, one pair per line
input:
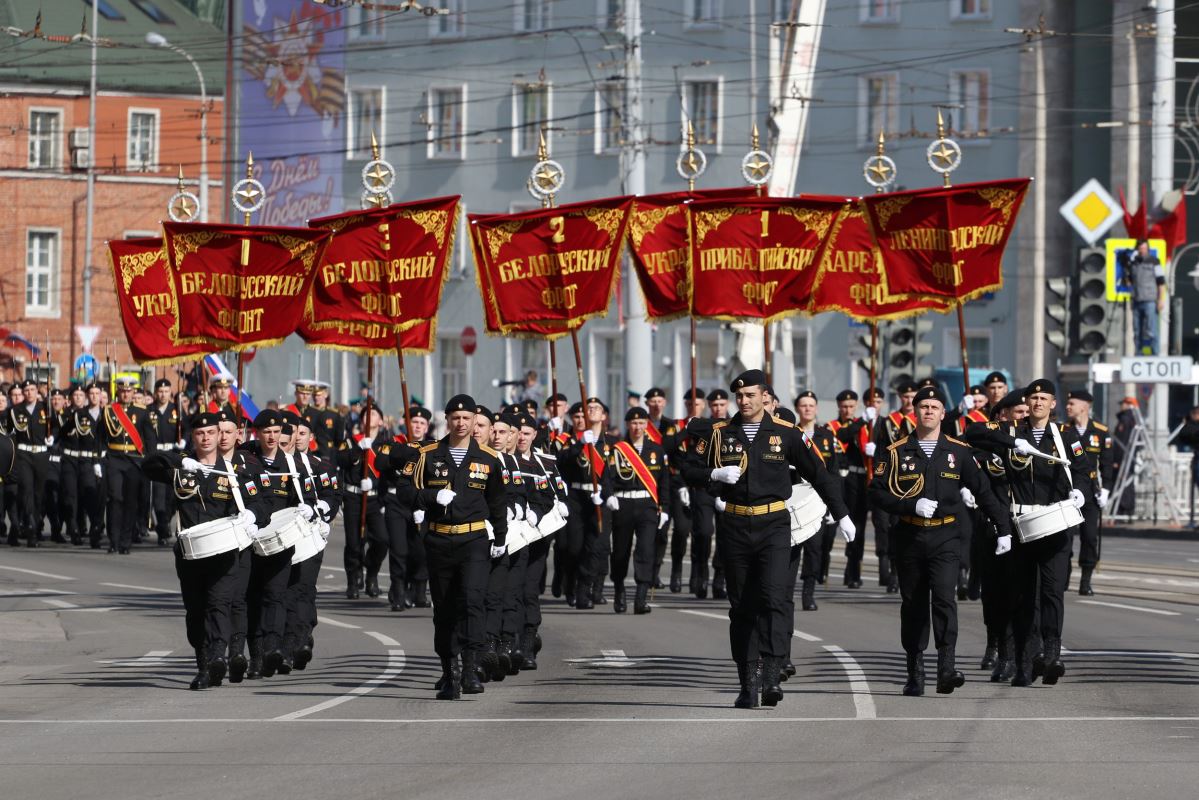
[807,637]
[38,574]
[336,623]
[863,703]
[395,665]
[1127,607]
[56,603]
[135,587]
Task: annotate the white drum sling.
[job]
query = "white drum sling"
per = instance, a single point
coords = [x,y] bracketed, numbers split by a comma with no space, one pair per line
[1036,522]
[807,512]
[218,535]
[316,531]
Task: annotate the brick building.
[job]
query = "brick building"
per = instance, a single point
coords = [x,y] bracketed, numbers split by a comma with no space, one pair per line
[148,110]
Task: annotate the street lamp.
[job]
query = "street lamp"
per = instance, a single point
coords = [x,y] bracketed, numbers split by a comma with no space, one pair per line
[156,39]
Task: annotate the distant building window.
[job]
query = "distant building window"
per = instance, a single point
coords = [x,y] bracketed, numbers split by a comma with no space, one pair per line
[452,366]
[446,111]
[878,105]
[45,139]
[609,117]
[42,264]
[452,24]
[151,10]
[970,92]
[702,13]
[366,107]
[532,15]
[143,141]
[106,10]
[702,109]
[611,14]
[365,23]
[532,115]
[970,9]
[880,11]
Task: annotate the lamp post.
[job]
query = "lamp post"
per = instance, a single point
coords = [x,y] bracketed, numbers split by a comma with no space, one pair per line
[158,40]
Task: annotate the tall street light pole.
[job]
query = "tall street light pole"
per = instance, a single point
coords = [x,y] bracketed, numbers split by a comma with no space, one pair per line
[158,40]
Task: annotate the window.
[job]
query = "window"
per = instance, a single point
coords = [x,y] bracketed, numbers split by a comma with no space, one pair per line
[531,112]
[611,14]
[366,108]
[878,109]
[45,139]
[452,363]
[609,118]
[151,10]
[365,24]
[42,259]
[880,11]
[702,13]
[447,111]
[800,357]
[532,15]
[708,372]
[970,93]
[970,9]
[449,25]
[143,141]
[106,10]
[462,254]
[701,106]
[978,348]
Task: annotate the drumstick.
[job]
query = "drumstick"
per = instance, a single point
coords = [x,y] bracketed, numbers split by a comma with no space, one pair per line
[1047,457]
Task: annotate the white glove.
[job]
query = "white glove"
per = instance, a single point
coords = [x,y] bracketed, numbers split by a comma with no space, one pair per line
[366,484]
[1003,545]
[729,475]
[189,464]
[306,511]
[967,404]
[1077,498]
[719,503]
[613,503]
[511,514]
[869,449]
[181,444]
[531,517]
[968,498]
[1104,496]
[49,441]
[926,508]
[247,518]
[870,413]
[589,436]
[563,509]
[365,442]
[554,424]
[445,497]
[1024,447]
[848,530]
[685,497]
[597,498]
[490,529]
[323,508]
[98,470]
[663,518]
[418,516]
[497,551]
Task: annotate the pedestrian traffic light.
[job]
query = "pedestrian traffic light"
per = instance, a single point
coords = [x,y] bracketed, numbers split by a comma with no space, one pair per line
[924,347]
[1093,308]
[901,342]
[1057,308]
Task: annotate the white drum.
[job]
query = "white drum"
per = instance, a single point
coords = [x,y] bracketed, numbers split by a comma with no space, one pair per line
[807,512]
[1044,521]
[312,543]
[285,530]
[520,533]
[551,523]
[213,538]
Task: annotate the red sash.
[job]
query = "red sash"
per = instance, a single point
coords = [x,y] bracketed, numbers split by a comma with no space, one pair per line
[370,457]
[973,415]
[651,430]
[592,453]
[863,440]
[643,474]
[128,427]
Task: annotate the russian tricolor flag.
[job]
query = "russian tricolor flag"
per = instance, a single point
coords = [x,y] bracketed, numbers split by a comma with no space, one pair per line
[216,368]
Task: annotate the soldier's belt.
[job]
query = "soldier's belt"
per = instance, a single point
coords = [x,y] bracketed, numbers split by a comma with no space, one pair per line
[935,522]
[454,530]
[583,487]
[857,470]
[755,511]
[122,448]
[79,453]
[33,448]
[356,490]
[635,494]
[170,446]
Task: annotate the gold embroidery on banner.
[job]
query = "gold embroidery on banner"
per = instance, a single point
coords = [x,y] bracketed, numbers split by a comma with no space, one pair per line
[297,247]
[135,265]
[501,234]
[643,223]
[434,221]
[605,219]
[889,208]
[184,244]
[1001,199]
[710,220]
[817,222]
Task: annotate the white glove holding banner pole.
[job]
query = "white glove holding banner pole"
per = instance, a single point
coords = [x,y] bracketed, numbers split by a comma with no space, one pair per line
[445,497]
[589,436]
[685,497]
[366,484]
[613,503]
[848,530]
[365,442]
[967,404]
[729,475]
[968,498]
[597,498]
[555,424]
[1003,545]
[869,449]
[1077,498]
[871,413]
[926,508]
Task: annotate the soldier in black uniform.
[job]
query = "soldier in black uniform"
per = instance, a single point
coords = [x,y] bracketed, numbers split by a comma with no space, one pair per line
[748,462]
[1097,444]
[414,589]
[995,387]
[82,495]
[583,462]
[887,431]
[28,423]
[459,484]
[499,658]
[365,537]
[52,494]
[328,427]
[243,462]
[171,430]
[540,470]
[718,409]
[126,435]
[677,443]
[807,558]
[928,480]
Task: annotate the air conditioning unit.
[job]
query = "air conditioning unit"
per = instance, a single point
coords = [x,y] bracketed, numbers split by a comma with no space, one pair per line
[80,158]
[78,139]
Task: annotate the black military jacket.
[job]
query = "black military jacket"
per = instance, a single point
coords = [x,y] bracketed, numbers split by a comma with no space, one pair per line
[478,485]
[620,476]
[203,497]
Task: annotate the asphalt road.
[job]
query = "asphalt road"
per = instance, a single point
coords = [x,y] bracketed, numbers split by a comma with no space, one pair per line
[94,668]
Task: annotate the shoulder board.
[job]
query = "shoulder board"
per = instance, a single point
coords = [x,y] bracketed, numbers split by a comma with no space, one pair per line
[782,422]
[721,424]
[484,448]
[901,441]
[1099,426]
[956,441]
[429,448]
[993,426]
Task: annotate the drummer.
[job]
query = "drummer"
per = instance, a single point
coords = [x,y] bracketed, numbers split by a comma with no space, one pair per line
[205,492]
[228,433]
[830,450]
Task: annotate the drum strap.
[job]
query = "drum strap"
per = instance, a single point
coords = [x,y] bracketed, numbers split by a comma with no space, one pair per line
[241,506]
[1060,449]
[291,467]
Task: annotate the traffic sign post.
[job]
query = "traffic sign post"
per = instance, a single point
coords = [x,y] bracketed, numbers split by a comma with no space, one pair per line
[1157,369]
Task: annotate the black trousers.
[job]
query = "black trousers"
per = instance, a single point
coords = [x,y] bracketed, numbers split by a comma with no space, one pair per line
[29,469]
[207,586]
[855,501]
[458,567]
[967,523]
[397,520]
[579,522]
[1041,571]
[928,561]
[52,496]
[997,578]
[679,530]
[239,608]
[82,505]
[513,603]
[539,552]
[1089,545]
[364,549]
[301,601]
[703,530]
[123,476]
[163,497]
[493,600]
[756,555]
[634,520]
[266,601]
[416,568]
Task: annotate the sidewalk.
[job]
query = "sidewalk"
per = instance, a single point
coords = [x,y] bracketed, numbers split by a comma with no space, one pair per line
[1146,529]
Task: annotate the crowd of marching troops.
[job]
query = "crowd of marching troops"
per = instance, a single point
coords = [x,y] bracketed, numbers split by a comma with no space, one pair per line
[942,484]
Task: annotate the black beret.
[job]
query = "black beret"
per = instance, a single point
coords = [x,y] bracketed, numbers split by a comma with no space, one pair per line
[287,418]
[29,382]
[926,382]
[994,377]
[654,392]
[751,377]
[267,418]
[596,400]
[554,397]
[90,386]
[1080,394]
[1009,400]
[875,392]
[848,394]
[768,389]
[1041,386]
[694,394]
[904,388]
[717,394]
[803,394]
[976,389]
[57,393]
[632,395]
[785,414]
[484,410]
[460,402]
[423,413]
[928,393]
[161,382]
[509,419]
[513,408]
[525,421]
[636,412]
[205,419]
[575,408]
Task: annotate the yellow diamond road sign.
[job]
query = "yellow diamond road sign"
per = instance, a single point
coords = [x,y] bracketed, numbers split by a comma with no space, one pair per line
[1091,211]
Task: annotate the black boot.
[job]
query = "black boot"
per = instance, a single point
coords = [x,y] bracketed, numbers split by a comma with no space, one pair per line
[396,596]
[809,594]
[1084,583]
[597,591]
[1023,669]
[1054,668]
[237,667]
[511,648]
[528,648]
[772,691]
[496,669]
[991,654]
[470,677]
[750,676]
[583,595]
[421,599]
[641,602]
[201,680]
[884,571]
[271,661]
[254,670]
[893,586]
[915,685]
[1038,665]
[217,667]
[948,676]
[618,601]
[301,657]
[718,590]
[676,579]
[963,584]
[351,584]
[569,588]
[556,584]
[451,679]
[504,651]
[372,586]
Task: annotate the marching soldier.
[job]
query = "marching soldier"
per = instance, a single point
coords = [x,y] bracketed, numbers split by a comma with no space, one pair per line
[220,392]
[171,432]
[678,444]
[27,422]
[718,408]
[365,528]
[1097,444]
[127,436]
[303,390]
[853,433]
[887,431]
[928,480]
[82,489]
[810,552]
[583,464]
[52,494]
[243,463]
[995,388]
[659,430]
[501,656]
[413,589]
[328,427]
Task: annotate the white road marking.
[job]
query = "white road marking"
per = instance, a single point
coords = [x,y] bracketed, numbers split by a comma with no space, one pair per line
[395,665]
[53,601]
[863,703]
[336,623]
[1127,607]
[29,592]
[616,659]
[1139,653]
[807,637]
[38,574]
[152,657]
[135,587]
[749,719]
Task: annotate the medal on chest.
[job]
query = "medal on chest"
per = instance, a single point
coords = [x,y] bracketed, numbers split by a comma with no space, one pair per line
[441,469]
[776,444]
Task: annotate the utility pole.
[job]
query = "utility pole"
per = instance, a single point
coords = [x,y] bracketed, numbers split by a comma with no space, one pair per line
[89,225]
[1162,181]
[638,338]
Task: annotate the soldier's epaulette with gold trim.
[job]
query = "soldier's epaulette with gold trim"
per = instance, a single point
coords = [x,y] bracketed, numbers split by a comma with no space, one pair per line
[1100,426]
[897,444]
[956,441]
[489,451]
[429,448]
[784,423]
[994,426]
[721,424]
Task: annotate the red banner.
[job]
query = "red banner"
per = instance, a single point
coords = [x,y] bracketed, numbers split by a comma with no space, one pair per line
[491,320]
[238,286]
[385,265]
[946,242]
[147,302]
[371,338]
[658,245]
[553,264]
[850,278]
[756,258]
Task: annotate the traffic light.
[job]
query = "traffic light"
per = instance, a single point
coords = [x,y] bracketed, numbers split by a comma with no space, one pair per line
[1091,296]
[924,347]
[901,359]
[1057,308]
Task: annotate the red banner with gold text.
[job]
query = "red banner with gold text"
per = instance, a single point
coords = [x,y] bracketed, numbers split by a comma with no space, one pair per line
[491,321]
[371,338]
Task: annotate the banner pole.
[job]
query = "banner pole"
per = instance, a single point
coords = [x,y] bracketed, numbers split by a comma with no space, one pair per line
[404,386]
[241,372]
[553,366]
[873,358]
[366,419]
[694,380]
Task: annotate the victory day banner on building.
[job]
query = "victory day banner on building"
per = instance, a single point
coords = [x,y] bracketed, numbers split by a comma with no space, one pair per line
[756,258]
[370,338]
[553,264]
[146,300]
[850,278]
[240,286]
[946,241]
[386,265]
[658,246]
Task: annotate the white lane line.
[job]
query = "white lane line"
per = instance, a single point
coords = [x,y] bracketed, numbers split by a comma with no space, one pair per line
[1127,607]
[136,588]
[30,592]
[336,623]
[1137,653]
[152,657]
[863,703]
[748,719]
[53,601]
[807,637]
[395,665]
[39,574]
